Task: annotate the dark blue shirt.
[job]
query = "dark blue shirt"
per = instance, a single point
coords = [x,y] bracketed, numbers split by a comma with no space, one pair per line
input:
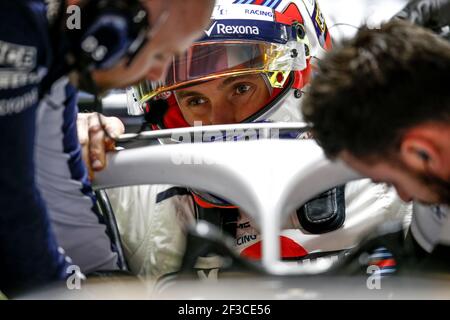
[29,254]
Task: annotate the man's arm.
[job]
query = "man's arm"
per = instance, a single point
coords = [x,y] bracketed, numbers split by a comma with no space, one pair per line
[29,254]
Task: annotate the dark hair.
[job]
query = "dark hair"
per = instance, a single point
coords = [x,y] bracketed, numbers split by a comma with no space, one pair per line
[368,91]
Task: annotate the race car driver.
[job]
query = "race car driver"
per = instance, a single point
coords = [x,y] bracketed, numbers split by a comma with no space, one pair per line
[39,47]
[223,79]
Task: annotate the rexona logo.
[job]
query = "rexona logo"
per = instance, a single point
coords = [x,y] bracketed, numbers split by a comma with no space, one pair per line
[224,29]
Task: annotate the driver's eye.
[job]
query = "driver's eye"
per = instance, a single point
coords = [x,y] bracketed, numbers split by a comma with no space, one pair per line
[196,101]
[242,88]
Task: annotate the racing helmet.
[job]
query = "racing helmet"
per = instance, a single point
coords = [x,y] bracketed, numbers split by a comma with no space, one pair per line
[273,39]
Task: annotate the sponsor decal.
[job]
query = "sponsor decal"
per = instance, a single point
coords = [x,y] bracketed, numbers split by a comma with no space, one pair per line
[320,26]
[259,12]
[221,11]
[210,30]
[247,11]
[320,20]
[244,239]
[17,57]
[318,260]
[224,29]
[244,225]
[247,29]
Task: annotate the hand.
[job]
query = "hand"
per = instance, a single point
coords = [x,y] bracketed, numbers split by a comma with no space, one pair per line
[433,14]
[96,140]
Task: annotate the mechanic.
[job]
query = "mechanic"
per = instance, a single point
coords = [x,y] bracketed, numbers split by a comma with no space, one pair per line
[245,88]
[390,85]
[40,45]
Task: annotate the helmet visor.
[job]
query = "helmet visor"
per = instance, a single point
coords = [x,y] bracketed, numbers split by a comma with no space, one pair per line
[208,61]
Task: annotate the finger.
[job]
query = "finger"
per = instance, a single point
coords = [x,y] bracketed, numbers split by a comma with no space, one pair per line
[97,151]
[82,128]
[115,127]
[110,142]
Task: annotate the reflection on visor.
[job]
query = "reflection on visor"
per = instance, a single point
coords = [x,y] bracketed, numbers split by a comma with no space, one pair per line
[207,61]
[201,61]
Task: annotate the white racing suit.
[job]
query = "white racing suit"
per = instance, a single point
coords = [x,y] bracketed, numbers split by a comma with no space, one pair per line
[151,220]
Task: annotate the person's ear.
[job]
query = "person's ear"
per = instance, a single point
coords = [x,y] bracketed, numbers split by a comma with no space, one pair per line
[420,154]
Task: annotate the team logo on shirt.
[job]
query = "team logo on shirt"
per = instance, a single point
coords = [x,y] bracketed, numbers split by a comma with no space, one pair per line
[17,64]
[17,57]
